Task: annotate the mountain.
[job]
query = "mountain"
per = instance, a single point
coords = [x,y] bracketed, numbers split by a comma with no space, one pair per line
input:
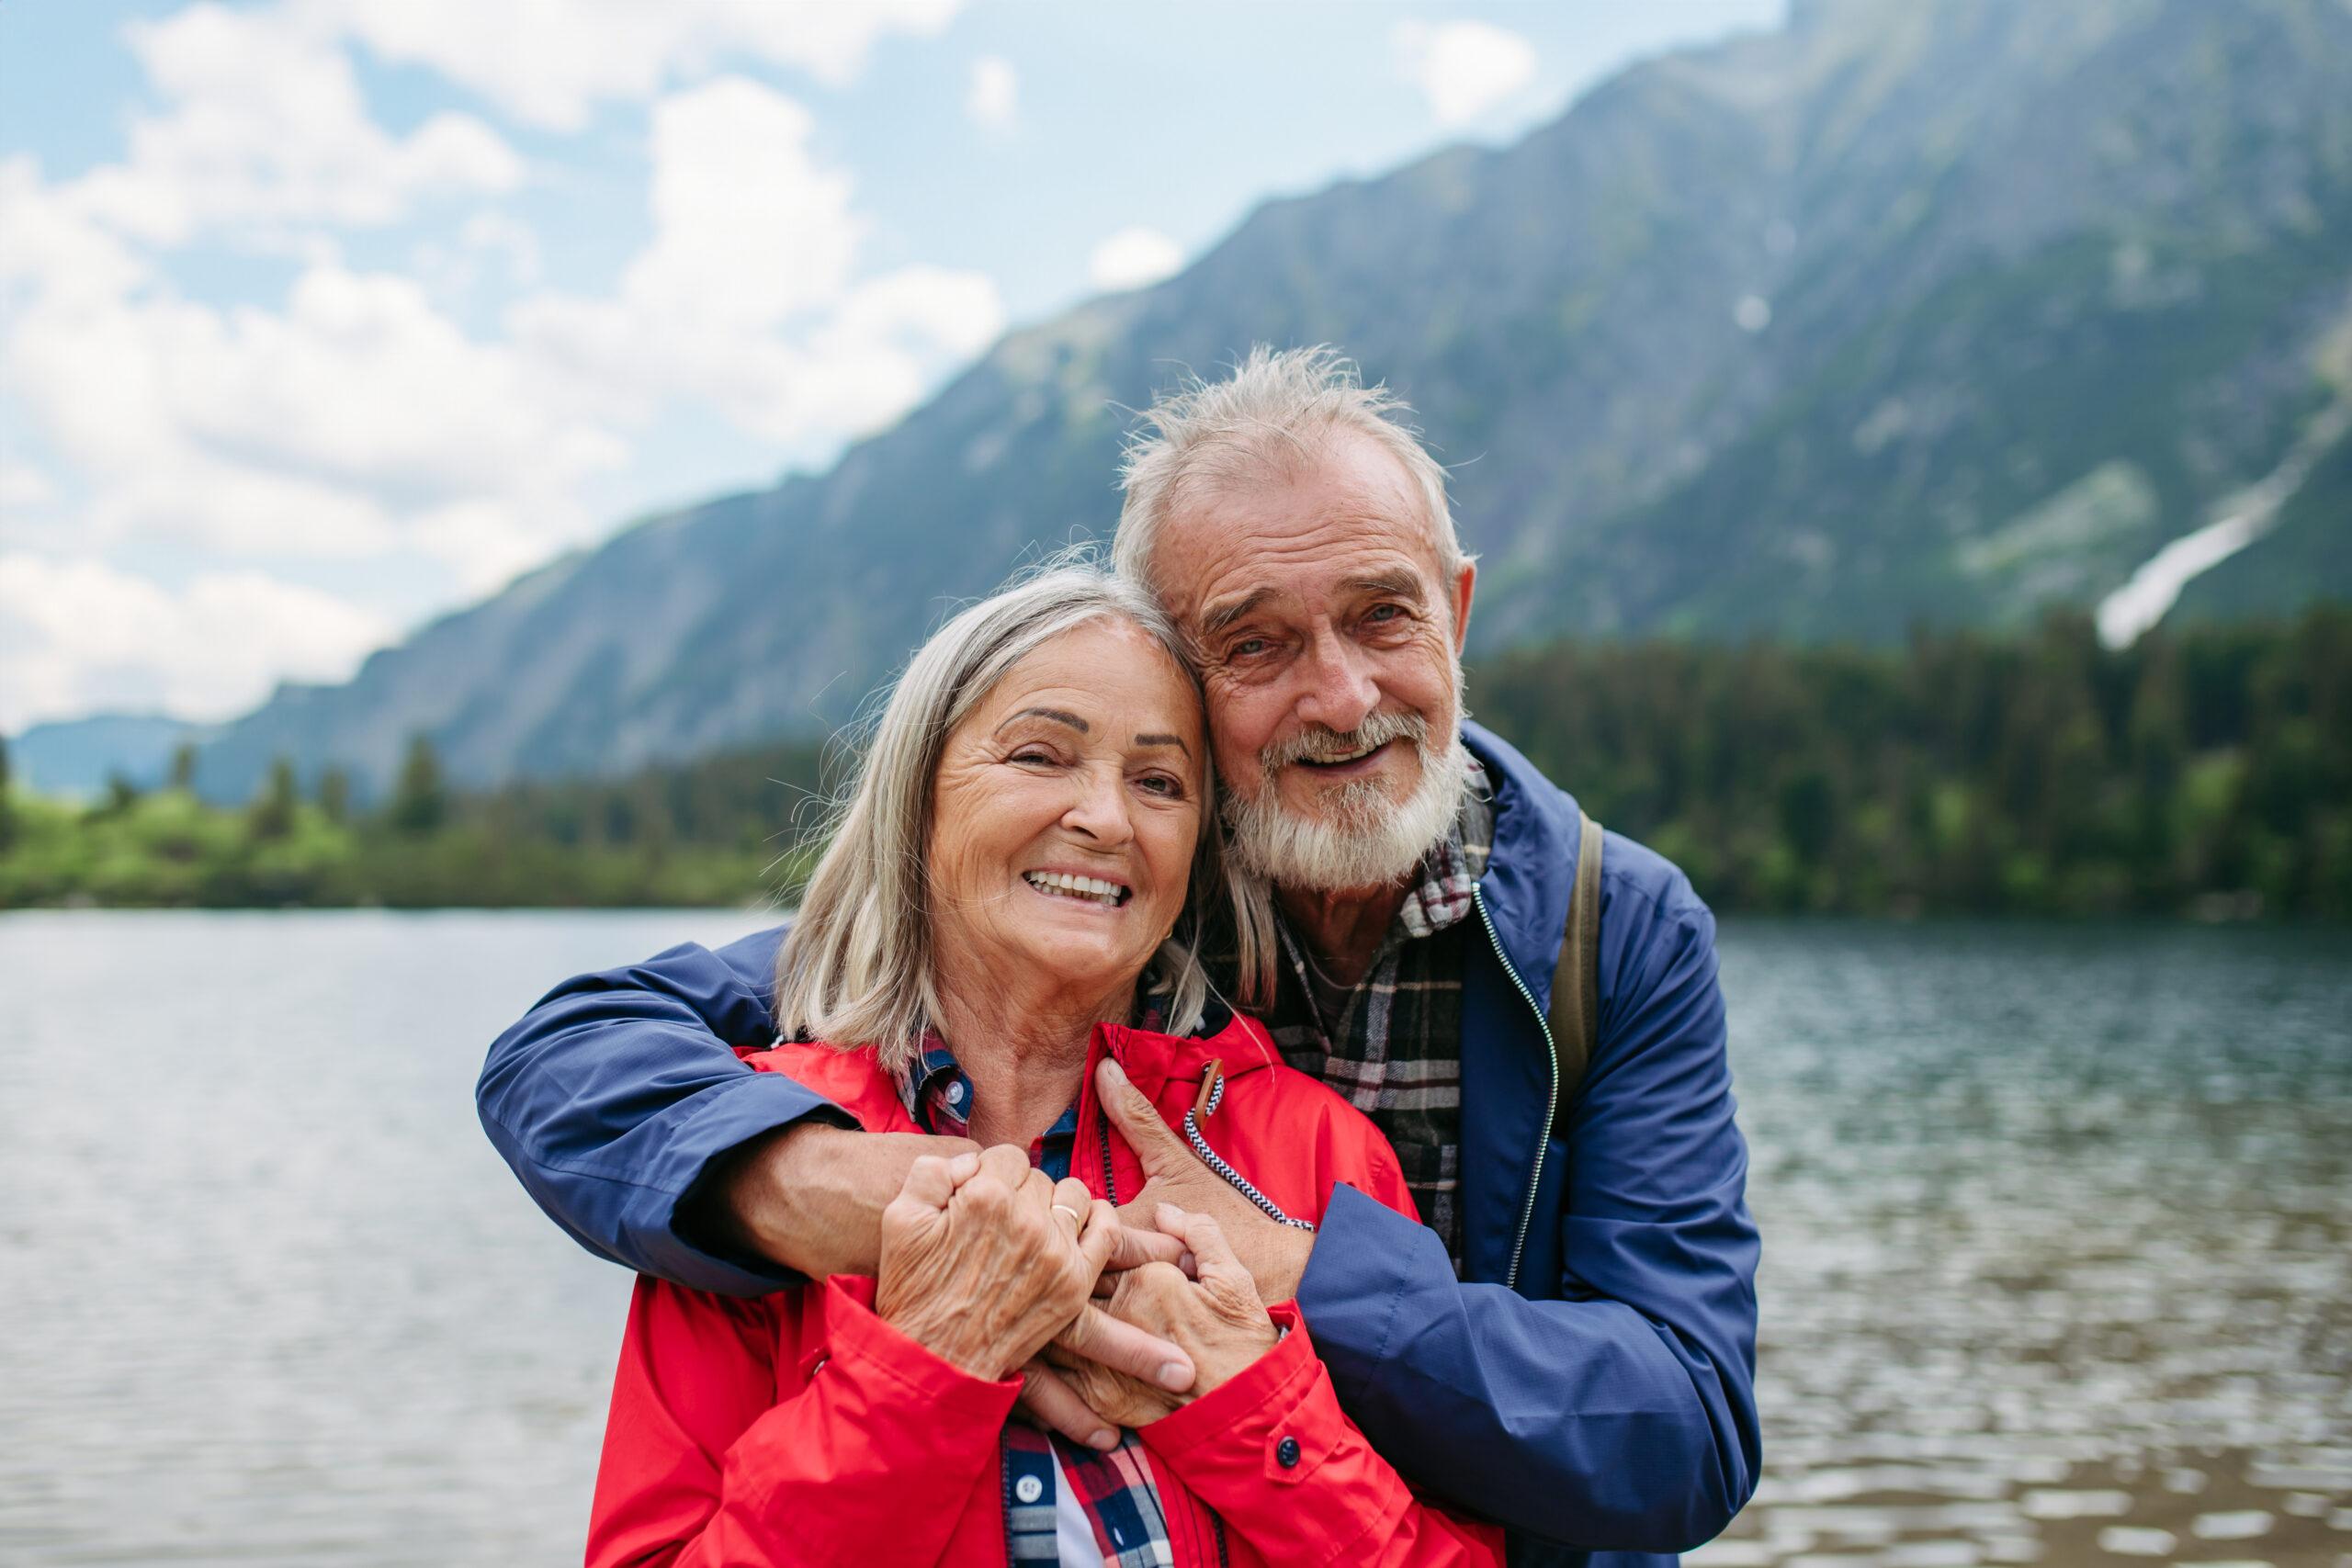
[1907,312]
[74,758]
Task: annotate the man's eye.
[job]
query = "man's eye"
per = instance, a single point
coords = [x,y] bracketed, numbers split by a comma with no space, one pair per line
[1248,648]
[1380,613]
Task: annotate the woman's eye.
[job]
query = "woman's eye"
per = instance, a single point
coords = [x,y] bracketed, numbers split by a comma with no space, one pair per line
[1161,784]
[1032,755]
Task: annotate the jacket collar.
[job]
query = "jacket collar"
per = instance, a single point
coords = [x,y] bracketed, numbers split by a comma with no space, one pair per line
[1152,1060]
[855,1080]
[1532,869]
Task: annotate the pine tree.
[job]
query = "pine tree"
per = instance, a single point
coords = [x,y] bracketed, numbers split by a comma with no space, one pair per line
[184,766]
[420,802]
[334,795]
[272,816]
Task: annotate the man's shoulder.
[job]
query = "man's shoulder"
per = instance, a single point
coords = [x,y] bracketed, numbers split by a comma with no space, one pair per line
[1628,866]
[1537,824]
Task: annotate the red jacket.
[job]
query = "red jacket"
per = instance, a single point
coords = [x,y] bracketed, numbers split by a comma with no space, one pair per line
[801,1428]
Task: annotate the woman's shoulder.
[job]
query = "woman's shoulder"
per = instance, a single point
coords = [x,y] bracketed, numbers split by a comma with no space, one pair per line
[851,1076]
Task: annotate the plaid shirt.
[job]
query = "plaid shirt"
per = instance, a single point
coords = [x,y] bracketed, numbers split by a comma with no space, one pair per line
[1391,1045]
[1113,1491]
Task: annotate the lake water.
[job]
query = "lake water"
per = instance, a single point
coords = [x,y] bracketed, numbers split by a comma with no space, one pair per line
[2058,1242]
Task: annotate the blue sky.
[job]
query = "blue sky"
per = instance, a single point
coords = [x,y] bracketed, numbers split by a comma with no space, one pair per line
[321,317]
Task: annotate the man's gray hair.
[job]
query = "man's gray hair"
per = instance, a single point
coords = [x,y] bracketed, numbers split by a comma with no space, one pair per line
[1271,414]
[857,967]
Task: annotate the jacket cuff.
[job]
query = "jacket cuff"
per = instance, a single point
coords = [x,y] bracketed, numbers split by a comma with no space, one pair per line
[1367,1258]
[1251,1410]
[858,1341]
[688,1145]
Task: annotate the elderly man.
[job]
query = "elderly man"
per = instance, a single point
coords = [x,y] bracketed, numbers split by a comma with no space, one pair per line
[1567,1343]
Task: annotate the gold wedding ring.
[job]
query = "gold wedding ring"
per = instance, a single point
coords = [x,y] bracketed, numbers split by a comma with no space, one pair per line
[1076,1218]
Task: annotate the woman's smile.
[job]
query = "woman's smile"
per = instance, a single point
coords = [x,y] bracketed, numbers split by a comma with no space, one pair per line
[1102,893]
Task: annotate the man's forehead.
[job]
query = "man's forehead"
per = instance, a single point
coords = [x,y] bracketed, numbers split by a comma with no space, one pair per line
[1347,515]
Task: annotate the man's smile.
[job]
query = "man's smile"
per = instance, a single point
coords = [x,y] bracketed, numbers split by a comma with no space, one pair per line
[1348,764]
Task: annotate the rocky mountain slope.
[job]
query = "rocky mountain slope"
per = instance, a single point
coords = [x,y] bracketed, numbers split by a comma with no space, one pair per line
[1945,312]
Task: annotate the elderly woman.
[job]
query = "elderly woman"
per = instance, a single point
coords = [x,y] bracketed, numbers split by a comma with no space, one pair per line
[1016,893]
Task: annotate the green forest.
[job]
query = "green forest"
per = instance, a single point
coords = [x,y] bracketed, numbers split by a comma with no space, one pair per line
[2204,771]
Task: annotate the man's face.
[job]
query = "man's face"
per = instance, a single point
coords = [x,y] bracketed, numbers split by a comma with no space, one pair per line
[1328,635]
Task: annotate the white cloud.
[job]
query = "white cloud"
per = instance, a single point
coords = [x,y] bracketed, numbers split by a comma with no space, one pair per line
[53,247]
[498,235]
[551,61]
[22,488]
[332,428]
[78,637]
[488,244]
[1463,68]
[266,128]
[995,95]
[748,227]
[322,430]
[743,300]
[1132,258]
[354,418]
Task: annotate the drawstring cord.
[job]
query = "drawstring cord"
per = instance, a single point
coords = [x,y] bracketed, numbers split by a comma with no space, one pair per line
[1212,1095]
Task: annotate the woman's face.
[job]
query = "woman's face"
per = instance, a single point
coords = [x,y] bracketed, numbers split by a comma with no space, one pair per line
[1064,813]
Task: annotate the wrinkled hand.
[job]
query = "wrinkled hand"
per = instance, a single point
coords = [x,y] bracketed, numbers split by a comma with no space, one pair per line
[1217,1318]
[1098,1357]
[1275,1255]
[980,1266]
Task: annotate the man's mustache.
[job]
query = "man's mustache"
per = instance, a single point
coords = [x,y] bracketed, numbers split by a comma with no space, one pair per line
[1318,743]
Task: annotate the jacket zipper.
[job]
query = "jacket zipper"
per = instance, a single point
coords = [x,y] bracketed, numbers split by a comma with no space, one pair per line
[1110,1182]
[1552,1057]
[1110,1191]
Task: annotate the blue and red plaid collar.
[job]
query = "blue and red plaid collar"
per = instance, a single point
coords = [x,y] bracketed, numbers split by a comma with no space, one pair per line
[932,1077]
[936,1079]
[1450,875]
[938,1096]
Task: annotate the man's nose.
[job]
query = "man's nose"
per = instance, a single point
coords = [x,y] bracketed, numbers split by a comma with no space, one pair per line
[1340,692]
[1101,809]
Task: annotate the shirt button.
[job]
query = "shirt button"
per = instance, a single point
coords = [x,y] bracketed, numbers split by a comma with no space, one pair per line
[1287,1453]
[955,1092]
[1028,1489]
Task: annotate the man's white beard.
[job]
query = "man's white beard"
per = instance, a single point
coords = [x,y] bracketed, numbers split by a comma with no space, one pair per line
[1363,839]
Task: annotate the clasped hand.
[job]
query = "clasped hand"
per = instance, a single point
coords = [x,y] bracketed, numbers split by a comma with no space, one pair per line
[987,1261]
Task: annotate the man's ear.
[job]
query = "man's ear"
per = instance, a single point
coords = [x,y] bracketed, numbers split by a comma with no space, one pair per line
[1464,584]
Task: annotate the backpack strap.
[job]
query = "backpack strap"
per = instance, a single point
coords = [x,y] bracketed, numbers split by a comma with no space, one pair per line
[1575,1018]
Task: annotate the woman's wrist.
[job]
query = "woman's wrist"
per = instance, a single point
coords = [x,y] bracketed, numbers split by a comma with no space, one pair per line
[1232,1350]
[951,1331]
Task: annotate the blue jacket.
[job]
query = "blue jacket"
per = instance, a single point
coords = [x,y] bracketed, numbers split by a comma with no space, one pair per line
[1589,1382]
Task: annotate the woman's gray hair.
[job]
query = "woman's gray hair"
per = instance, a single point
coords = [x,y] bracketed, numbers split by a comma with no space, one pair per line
[1272,413]
[857,966]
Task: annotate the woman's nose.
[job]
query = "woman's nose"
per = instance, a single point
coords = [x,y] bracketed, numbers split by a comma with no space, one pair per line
[1101,809]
